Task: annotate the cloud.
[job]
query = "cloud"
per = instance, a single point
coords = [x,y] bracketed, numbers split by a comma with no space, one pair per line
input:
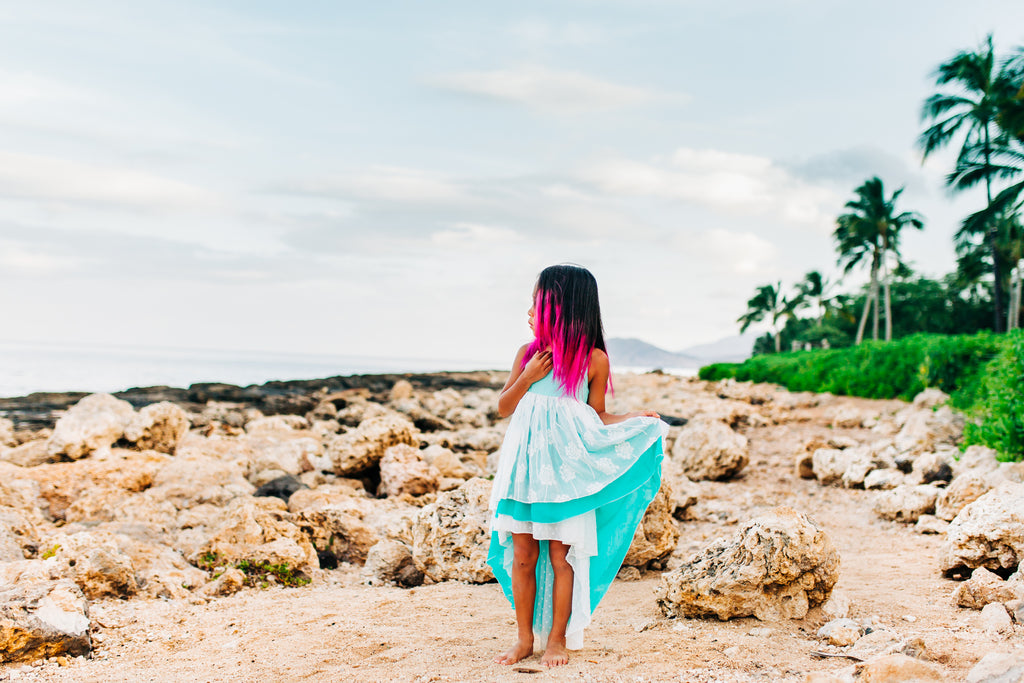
[385,184]
[743,253]
[724,181]
[549,90]
[35,177]
[537,32]
[851,167]
[474,236]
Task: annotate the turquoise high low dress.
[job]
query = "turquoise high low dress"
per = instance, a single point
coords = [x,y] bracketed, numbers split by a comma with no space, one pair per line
[565,475]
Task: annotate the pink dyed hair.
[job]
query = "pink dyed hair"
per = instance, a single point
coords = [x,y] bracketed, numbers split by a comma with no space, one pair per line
[567,319]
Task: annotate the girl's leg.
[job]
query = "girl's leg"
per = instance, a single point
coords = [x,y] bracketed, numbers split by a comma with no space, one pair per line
[555,653]
[524,593]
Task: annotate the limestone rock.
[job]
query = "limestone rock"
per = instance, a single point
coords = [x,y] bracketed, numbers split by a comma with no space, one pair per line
[841,632]
[837,606]
[906,503]
[18,536]
[710,449]
[995,618]
[987,533]
[777,565]
[275,424]
[390,563]
[829,464]
[95,422]
[980,459]
[898,667]
[964,489]
[7,437]
[229,582]
[803,465]
[883,480]
[935,466]
[448,464]
[932,525]
[451,537]
[849,417]
[261,530]
[403,469]
[998,667]
[42,618]
[657,535]
[363,447]
[95,562]
[984,588]
[929,398]
[158,427]
[926,429]
[878,643]
[28,454]
[338,532]
[286,451]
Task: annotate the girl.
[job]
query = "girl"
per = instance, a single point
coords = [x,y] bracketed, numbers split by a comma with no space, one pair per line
[573,480]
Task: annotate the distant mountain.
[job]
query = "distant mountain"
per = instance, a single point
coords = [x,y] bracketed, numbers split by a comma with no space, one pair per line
[640,354]
[726,350]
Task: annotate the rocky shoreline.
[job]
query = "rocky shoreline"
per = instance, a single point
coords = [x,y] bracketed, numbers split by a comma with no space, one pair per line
[215,495]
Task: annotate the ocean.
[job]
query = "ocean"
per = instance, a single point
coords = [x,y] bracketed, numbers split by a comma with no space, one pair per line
[27,368]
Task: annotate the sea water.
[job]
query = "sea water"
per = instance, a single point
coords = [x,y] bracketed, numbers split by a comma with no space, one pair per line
[30,367]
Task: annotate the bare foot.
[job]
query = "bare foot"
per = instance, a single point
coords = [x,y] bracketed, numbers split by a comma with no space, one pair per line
[555,655]
[521,650]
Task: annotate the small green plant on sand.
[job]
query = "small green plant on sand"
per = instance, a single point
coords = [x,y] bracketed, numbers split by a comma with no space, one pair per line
[51,552]
[258,573]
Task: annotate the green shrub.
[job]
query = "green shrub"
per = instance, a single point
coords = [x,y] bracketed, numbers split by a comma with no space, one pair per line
[997,410]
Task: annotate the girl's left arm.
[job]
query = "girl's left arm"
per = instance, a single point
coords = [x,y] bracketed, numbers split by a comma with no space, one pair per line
[599,371]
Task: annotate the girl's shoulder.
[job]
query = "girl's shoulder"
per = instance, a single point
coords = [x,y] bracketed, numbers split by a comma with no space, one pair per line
[599,364]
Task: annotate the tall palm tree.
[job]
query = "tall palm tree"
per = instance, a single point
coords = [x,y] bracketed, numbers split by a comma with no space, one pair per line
[969,103]
[768,303]
[871,229]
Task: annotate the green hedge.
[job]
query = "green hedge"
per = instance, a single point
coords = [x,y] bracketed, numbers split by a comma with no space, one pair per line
[983,373]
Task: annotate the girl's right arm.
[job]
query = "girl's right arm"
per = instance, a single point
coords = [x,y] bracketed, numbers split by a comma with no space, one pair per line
[521,377]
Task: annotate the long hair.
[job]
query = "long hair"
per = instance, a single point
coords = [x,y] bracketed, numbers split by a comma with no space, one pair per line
[567,319]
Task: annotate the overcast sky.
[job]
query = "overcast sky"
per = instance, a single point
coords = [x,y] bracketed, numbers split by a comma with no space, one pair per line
[388,178]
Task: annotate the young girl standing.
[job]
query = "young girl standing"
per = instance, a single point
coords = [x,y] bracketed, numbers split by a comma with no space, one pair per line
[573,480]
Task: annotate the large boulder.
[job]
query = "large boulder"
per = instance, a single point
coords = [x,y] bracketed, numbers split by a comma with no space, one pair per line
[710,449]
[95,422]
[41,618]
[158,427]
[451,536]
[777,566]
[656,536]
[94,561]
[390,562]
[260,530]
[987,533]
[906,503]
[403,469]
[360,449]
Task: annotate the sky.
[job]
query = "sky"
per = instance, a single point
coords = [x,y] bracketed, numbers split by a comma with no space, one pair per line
[388,178]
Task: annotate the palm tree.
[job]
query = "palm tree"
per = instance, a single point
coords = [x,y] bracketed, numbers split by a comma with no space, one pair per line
[768,302]
[970,103]
[815,287]
[872,229]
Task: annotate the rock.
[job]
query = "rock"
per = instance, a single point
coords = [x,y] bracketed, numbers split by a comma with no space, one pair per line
[357,412]
[964,489]
[7,437]
[930,524]
[95,562]
[980,459]
[933,467]
[276,424]
[390,562]
[18,537]
[883,480]
[777,565]
[878,643]
[906,503]
[449,465]
[861,461]
[95,422]
[363,447]
[995,618]
[924,430]
[984,588]
[898,667]
[42,618]
[158,427]
[998,667]
[338,532]
[929,398]
[803,465]
[260,530]
[841,632]
[837,606]
[28,454]
[829,465]
[849,417]
[987,533]
[451,537]
[710,449]
[628,573]
[404,470]
[229,582]
[281,487]
[656,536]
